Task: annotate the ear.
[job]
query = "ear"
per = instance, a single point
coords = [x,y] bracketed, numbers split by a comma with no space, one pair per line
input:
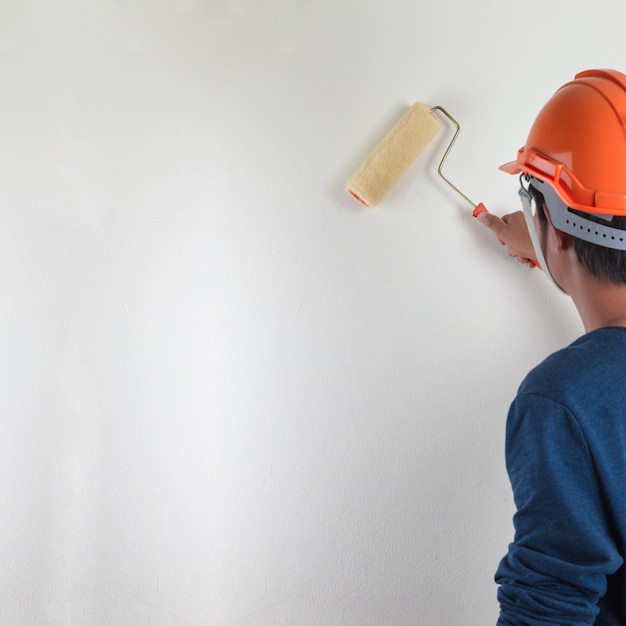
[560,241]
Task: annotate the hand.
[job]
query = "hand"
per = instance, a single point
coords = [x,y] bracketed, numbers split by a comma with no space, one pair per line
[512,232]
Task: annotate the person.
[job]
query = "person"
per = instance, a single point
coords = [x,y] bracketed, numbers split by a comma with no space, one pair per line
[566,427]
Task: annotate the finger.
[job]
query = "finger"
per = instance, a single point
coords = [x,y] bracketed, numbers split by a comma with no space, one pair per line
[493,222]
[526,261]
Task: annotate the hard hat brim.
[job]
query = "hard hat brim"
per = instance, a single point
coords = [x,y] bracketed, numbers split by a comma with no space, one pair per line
[512,167]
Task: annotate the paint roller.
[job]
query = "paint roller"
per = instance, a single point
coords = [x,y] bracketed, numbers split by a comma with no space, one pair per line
[397,151]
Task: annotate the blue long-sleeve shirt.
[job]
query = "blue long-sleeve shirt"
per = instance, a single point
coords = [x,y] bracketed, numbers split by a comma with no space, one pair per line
[566,459]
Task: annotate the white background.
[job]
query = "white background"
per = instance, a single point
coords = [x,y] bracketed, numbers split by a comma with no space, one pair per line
[229,394]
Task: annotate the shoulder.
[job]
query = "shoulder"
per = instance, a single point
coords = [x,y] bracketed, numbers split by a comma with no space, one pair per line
[581,387]
[591,365]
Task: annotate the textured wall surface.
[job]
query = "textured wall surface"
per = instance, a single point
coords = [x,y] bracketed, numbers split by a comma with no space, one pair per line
[229,394]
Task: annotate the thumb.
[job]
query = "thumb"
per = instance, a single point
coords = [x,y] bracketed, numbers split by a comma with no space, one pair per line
[491,221]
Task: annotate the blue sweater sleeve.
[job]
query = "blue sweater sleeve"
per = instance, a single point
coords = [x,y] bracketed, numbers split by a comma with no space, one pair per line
[556,568]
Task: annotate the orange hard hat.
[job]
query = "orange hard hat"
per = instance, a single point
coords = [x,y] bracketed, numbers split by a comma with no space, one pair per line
[577,143]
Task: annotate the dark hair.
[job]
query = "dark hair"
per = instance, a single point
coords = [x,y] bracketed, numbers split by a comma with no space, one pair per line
[600,261]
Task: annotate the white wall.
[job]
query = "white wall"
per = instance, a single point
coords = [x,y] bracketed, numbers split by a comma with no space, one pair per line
[229,395]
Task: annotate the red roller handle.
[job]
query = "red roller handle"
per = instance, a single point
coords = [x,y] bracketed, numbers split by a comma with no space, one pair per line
[478,209]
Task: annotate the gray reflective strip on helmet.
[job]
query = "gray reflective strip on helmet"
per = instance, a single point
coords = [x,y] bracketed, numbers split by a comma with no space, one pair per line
[577,226]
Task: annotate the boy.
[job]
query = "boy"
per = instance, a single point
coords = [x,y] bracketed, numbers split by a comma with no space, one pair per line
[566,428]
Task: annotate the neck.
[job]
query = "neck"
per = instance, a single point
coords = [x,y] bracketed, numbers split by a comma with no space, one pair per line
[600,303]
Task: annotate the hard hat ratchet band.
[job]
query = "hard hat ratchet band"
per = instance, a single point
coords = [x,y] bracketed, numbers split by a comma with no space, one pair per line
[576,224]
